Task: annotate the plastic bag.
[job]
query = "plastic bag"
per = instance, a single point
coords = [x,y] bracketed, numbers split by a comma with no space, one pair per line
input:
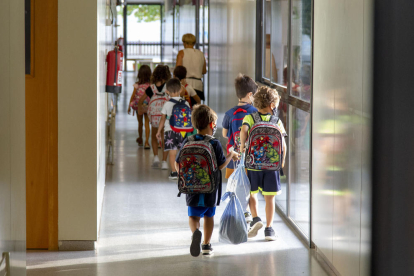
[239,183]
[233,227]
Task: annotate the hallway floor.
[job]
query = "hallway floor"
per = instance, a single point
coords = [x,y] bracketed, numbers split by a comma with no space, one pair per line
[144,228]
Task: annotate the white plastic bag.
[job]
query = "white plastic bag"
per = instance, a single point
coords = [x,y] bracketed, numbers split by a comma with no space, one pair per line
[239,183]
[233,227]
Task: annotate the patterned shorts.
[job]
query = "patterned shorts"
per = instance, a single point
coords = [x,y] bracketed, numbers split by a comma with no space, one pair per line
[172,140]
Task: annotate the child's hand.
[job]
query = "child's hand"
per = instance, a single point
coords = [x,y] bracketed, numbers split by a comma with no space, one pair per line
[235,155]
[158,136]
[129,110]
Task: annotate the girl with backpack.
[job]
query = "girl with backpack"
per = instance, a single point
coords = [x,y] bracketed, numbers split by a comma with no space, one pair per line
[158,96]
[143,82]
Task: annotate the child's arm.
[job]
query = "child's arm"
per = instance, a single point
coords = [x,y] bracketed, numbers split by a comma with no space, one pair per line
[243,137]
[142,99]
[176,166]
[224,133]
[130,100]
[284,151]
[161,126]
[232,155]
[197,99]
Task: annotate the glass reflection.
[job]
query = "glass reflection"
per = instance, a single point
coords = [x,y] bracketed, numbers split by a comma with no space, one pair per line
[281,200]
[279,40]
[266,42]
[299,195]
[301,49]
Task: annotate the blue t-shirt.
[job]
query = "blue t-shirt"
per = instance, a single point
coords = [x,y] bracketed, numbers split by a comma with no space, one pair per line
[212,199]
[227,123]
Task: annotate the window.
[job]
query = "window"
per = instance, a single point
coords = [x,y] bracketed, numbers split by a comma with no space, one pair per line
[285,37]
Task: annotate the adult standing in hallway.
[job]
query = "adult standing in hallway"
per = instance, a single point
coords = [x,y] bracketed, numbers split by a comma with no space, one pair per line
[195,63]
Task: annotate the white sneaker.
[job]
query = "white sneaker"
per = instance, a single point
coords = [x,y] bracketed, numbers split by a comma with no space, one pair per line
[164,165]
[156,162]
[248,217]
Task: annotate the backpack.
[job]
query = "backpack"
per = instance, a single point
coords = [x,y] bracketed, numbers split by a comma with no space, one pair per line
[198,170]
[155,105]
[140,92]
[180,119]
[235,125]
[264,151]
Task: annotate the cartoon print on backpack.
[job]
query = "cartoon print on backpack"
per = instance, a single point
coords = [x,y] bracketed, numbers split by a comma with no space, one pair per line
[264,152]
[195,172]
[180,120]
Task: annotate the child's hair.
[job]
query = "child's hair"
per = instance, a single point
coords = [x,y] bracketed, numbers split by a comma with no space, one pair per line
[180,72]
[161,73]
[265,96]
[173,85]
[144,74]
[244,84]
[202,116]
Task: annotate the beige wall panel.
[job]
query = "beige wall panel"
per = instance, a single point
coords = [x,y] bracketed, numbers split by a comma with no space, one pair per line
[12,135]
[77,78]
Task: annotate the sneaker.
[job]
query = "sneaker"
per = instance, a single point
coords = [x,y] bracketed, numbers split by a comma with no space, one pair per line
[270,234]
[195,247]
[156,162]
[255,226]
[207,249]
[248,217]
[164,165]
[173,175]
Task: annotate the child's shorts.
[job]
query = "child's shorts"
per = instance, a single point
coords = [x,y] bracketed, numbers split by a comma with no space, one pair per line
[201,211]
[268,182]
[172,140]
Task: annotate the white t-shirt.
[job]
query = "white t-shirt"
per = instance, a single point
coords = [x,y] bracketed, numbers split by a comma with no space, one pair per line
[190,90]
[167,110]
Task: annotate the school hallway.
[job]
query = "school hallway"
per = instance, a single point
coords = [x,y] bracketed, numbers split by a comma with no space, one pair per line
[144,228]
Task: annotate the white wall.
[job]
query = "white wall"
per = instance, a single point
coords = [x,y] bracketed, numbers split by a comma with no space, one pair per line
[12,135]
[341,133]
[82,38]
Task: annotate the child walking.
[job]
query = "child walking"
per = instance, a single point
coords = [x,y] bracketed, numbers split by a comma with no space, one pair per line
[187,91]
[172,139]
[143,82]
[263,152]
[203,205]
[157,93]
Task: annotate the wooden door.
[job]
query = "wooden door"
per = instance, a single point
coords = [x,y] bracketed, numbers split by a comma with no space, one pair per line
[41,128]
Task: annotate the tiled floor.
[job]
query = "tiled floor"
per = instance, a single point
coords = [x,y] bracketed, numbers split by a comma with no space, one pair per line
[144,229]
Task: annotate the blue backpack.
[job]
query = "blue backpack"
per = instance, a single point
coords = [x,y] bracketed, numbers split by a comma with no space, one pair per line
[180,120]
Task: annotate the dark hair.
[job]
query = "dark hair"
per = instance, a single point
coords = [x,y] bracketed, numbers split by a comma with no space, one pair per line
[202,116]
[161,73]
[244,84]
[180,72]
[173,85]
[144,74]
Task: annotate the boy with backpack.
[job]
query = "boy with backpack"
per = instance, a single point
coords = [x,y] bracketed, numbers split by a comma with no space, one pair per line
[176,119]
[199,164]
[245,89]
[265,156]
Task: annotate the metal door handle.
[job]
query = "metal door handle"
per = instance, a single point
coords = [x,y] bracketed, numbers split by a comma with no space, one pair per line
[5,259]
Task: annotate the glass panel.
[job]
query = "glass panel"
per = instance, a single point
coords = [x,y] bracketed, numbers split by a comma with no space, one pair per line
[282,199]
[187,19]
[28,41]
[266,40]
[205,9]
[299,197]
[301,49]
[279,41]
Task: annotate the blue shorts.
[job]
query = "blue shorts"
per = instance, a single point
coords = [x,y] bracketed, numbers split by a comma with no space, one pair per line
[267,182]
[201,211]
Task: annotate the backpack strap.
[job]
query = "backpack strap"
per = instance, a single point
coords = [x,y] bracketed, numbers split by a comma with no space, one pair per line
[174,101]
[256,117]
[191,138]
[208,138]
[274,119]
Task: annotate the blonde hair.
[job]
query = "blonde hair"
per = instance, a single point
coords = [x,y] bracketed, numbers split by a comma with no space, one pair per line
[189,39]
[265,96]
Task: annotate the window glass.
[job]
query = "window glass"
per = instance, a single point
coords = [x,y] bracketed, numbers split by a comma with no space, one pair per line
[281,200]
[299,140]
[301,49]
[266,39]
[279,41]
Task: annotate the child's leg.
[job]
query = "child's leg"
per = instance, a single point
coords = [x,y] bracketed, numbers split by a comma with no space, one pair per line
[154,140]
[164,153]
[194,223]
[173,155]
[147,129]
[139,118]
[270,209]
[253,204]
[208,229]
